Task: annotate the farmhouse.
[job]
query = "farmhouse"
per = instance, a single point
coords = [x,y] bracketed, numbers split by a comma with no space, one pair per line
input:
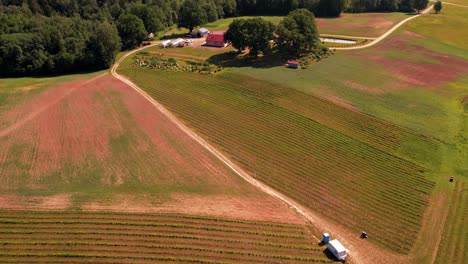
[216,39]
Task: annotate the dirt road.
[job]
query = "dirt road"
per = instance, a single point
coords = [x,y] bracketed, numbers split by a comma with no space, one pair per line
[386,34]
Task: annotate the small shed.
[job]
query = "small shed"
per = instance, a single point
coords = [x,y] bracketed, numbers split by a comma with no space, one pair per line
[200,33]
[293,64]
[165,43]
[150,35]
[338,250]
[177,42]
[216,39]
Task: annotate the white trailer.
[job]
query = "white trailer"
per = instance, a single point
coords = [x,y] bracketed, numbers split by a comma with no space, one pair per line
[337,249]
[165,43]
[176,42]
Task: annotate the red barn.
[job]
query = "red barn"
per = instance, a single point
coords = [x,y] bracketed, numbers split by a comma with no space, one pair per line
[216,39]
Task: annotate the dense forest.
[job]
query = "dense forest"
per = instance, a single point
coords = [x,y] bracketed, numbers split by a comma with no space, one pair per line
[61,36]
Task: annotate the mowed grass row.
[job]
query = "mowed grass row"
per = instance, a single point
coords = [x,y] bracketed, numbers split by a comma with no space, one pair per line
[138,238]
[365,128]
[353,183]
[454,245]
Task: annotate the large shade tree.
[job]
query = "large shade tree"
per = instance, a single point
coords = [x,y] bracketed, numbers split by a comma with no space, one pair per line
[297,33]
[254,33]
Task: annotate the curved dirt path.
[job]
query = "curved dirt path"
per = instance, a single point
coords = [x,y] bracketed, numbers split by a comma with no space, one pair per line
[386,34]
[360,250]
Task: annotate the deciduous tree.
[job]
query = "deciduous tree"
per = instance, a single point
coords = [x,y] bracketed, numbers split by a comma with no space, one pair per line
[297,33]
[131,30]
[438,7]
[420,5]
[254,33]
[191,15]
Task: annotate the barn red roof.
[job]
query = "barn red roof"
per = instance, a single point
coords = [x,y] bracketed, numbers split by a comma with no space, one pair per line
[217,36]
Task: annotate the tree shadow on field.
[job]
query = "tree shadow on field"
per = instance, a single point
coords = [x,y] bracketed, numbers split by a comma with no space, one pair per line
[237,60]
[174,36]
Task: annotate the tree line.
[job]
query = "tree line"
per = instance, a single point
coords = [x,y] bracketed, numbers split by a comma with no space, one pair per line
[296,35]
[62,36]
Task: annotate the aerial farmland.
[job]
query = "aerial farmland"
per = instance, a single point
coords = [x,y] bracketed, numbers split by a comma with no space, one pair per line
[182,152]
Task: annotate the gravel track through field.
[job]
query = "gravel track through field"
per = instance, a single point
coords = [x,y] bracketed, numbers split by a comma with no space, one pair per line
[361,252]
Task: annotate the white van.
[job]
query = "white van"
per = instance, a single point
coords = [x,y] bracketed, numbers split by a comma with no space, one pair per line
[338,249]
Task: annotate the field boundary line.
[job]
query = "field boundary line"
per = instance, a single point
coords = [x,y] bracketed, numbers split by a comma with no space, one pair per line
[31,116]
[448,3]
[390,31]
[357,254]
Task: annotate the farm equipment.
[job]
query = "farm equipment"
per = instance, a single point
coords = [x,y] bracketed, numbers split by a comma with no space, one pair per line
[364,235]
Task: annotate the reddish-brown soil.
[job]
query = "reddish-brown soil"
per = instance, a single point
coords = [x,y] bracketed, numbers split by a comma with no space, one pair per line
[250,207]
[414,66]
[83,137]
[20,202]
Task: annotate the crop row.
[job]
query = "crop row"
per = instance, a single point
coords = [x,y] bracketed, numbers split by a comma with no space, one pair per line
[29,238]
[257,146]
[324,169]
[454,244]
[154,224]
[138,219]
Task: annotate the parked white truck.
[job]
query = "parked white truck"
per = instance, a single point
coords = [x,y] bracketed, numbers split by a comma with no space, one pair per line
[337,249]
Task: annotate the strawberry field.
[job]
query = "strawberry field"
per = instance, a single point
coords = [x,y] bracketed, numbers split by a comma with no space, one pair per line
[349,171]
[78,237]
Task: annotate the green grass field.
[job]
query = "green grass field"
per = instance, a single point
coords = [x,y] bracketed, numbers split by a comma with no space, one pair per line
[77,237]
[349,24]
[364,138]
[360,25]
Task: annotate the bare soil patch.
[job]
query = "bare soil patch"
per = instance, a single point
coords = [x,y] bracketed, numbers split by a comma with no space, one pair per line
[362,87]
[336,100]
[86,136]
[260,207]
[46,202]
